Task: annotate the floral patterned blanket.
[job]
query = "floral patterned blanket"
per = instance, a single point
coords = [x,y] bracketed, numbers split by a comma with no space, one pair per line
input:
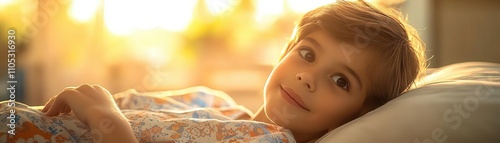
[196,114]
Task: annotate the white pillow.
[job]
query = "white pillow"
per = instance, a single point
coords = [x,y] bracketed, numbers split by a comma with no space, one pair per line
[459,103]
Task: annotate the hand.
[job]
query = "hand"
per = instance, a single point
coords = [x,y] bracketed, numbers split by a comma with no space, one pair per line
[84,101]
[95,107]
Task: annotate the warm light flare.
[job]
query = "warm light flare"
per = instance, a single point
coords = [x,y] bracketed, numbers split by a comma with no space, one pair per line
[5,2]
[154,47]
[217,7]
[125,16]
[268,10]
[83,10]
[302,6]
[157,55]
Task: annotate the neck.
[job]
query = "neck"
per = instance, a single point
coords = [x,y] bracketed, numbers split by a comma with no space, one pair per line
[300,137]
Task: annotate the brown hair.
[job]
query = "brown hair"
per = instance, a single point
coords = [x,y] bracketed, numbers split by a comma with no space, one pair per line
[400,52]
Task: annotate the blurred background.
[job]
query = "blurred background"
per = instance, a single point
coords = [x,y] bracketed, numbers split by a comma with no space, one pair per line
[229,45]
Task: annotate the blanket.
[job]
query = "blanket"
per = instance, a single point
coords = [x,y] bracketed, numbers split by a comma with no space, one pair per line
[196,114]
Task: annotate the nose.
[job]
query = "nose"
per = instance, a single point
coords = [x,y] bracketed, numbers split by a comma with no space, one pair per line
[307,80]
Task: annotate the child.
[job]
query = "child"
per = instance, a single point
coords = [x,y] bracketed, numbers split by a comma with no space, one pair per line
[343,60]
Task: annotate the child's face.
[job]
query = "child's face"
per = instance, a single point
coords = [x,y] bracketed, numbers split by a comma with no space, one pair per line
[328,83]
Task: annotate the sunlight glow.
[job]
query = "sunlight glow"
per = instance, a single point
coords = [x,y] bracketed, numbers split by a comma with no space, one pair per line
[157,55]
[155,48]
[125,16]
[83,10]
[267,10]
[302,6]
[216,7]
[5,2]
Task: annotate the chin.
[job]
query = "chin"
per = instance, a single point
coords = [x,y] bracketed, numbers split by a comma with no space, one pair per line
[278,111]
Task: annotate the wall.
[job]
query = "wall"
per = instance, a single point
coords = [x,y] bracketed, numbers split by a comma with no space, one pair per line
[467,31]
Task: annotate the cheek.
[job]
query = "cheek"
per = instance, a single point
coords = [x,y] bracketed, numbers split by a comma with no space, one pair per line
[289,67]
[286,68]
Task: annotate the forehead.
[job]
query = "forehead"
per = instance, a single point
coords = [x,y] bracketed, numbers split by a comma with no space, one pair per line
[342,50]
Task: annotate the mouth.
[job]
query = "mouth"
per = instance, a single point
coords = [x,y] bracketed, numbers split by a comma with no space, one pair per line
[293,98]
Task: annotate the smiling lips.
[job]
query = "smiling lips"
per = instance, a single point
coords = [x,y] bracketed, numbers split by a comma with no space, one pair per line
[293,98]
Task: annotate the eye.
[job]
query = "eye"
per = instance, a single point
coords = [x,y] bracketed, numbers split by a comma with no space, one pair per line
[341,81]
[307,55]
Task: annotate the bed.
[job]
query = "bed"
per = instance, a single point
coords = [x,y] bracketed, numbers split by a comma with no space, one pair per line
[458,103]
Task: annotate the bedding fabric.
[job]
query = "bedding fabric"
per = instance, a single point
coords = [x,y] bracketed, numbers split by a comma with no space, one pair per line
[195,114]
[459,103]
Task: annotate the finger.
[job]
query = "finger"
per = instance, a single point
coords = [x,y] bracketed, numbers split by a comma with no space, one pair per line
[101,89]
[87,90]
[51,100]
[56,107]
[60,102]
[48,104]
[104,91]
[63,108]
[67,110]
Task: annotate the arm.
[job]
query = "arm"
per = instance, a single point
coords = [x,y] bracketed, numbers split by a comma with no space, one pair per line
[95,107]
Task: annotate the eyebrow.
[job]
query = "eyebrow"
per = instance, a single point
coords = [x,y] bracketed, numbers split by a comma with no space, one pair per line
[314,42]
[349,69]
